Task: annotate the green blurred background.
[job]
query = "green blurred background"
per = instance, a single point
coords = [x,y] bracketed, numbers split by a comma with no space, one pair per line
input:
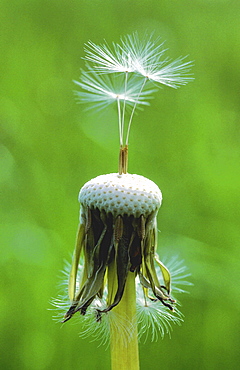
[188,142]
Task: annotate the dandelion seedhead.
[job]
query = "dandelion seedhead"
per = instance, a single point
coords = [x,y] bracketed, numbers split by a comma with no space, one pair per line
[117,234]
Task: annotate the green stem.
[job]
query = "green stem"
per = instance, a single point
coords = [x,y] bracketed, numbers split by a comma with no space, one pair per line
[124,353]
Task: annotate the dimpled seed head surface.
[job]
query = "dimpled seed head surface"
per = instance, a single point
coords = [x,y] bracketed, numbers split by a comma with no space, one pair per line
[121,194]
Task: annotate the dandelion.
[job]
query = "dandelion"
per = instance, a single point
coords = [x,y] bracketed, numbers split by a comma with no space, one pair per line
[116,274]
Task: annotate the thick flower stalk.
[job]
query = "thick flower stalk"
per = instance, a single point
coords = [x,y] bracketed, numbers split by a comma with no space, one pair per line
[115,252]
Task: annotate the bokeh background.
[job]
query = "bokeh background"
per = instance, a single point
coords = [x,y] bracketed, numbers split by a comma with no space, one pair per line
[188,142]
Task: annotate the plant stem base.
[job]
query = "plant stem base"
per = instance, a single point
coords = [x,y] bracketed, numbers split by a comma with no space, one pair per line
[124,353]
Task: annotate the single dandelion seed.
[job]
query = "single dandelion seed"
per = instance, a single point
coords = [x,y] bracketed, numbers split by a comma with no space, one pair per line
[116,275]
[108,60]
